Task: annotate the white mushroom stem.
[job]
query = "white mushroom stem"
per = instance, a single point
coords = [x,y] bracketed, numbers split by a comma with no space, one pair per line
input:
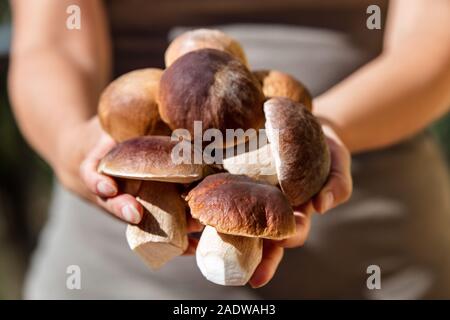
[162,234]
[227,259]
[258,164]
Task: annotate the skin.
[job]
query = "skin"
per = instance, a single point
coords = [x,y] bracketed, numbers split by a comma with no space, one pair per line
[56,76]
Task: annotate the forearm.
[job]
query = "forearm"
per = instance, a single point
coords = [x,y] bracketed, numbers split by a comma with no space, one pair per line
[404,89]
[56,73]
[388,100]
[49,94]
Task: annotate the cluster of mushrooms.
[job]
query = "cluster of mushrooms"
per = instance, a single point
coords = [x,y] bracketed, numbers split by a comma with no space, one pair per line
[207,79]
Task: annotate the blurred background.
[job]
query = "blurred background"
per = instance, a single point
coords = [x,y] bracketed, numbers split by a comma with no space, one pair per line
[25,182]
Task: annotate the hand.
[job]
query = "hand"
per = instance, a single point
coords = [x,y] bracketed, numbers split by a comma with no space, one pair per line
[80,148]
[336,191]
[81,175]
[104,188]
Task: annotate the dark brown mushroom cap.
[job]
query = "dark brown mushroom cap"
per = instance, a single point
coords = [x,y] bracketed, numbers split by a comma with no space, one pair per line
[301,153]
[210,86]
[151,158]
[239,205]
[279,84]
[128,106]
[203,39]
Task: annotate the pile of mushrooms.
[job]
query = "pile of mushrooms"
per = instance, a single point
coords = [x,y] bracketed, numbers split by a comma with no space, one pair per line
[207,79]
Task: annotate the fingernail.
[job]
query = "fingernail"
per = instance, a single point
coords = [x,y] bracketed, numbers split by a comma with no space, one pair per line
[256,282]
[256,285]
[106,189]
[328,201]
[131,214]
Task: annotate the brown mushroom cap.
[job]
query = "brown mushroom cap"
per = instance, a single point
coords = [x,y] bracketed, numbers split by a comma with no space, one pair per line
[210,86]
[128,107]
[302,158]
[279,84]
[149,158]
[239,205]
[203,39]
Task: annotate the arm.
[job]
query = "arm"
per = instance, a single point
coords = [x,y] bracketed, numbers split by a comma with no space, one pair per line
[404,89]
[55,78]
[55,74]
[387,100]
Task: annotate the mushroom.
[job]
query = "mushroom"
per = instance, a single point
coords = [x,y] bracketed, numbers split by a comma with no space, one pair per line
[203,39]
[279,84]
[210,86]
[296,157]
[238,213]
[161,234]
[151,174]
[128,106]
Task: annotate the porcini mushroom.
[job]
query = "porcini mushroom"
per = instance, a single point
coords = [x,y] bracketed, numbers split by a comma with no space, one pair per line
[279,84]
[161,235]
[210,86]
[203,39]
[128,106]
[238,212]
[296,157]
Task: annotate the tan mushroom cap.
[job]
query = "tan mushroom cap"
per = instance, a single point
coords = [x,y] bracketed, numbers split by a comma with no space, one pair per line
[301,154]
[150,158]
[279,84]
[128,106]
[203,39]
[212,87]
[239,205]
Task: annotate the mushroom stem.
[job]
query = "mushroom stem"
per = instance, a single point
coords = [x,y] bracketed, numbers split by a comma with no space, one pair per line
[258,164]
[162,234]
[227,259]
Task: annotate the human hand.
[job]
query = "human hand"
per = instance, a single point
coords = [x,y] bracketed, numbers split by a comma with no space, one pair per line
[80,150]
[336,191]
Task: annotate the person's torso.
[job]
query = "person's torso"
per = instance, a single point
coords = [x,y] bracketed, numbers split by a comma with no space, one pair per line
[139,28]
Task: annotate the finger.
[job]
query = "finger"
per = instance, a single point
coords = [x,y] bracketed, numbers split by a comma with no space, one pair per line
[306,208]
[272,255]
[302,228]
[338,187]
[193,225]
[101,185]
[192,246]
[97,183]
[123,206]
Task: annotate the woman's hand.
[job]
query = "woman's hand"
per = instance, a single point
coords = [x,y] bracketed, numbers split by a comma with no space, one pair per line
[80,149]
[336,191]
[104,188]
